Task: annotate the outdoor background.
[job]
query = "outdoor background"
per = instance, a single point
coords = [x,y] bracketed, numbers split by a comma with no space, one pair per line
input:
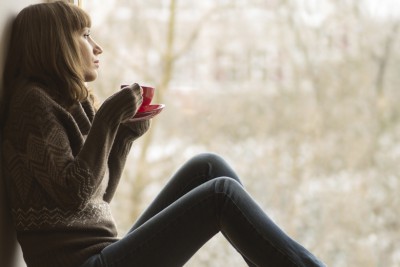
[301,97]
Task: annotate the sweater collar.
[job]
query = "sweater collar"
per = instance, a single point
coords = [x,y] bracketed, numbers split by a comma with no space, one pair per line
[83,114]
[89,109]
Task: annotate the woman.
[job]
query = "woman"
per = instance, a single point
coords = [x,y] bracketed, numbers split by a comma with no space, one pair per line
[63,159]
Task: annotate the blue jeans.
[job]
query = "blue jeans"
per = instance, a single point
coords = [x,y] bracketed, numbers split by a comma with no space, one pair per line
[203,198]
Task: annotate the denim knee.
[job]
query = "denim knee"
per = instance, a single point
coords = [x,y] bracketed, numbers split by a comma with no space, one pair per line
[228,186]
[210,157]
[217,165]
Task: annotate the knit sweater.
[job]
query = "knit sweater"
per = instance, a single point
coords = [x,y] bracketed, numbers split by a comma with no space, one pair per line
[62,168]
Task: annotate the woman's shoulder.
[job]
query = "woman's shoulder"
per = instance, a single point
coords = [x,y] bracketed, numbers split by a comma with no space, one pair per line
[28,109]
[30,90]
[31,103]
[31,95]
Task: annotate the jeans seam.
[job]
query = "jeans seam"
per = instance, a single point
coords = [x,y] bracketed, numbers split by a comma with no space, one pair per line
[103,262]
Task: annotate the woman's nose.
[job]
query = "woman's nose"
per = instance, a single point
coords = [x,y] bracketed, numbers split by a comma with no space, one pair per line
[97,49]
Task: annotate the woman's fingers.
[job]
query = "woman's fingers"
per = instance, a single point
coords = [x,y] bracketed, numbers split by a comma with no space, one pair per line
[138,93]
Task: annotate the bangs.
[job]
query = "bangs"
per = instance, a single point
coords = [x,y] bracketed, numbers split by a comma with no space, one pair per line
[79,19]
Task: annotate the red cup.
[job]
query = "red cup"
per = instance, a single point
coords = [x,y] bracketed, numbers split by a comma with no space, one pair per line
[148,94]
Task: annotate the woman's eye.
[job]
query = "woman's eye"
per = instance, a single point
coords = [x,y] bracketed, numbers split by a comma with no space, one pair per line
[86,35]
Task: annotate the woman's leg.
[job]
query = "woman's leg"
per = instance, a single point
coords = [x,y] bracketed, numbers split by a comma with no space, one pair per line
[196,171]
[173,228]
[172,236]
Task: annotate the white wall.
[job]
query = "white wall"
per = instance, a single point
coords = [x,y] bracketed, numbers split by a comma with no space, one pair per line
[10,252]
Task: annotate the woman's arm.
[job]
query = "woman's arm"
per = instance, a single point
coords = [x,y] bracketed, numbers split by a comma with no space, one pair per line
[41,145]
[122,144]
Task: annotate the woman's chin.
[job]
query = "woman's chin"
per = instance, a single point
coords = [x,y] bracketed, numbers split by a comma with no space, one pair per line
[90,77]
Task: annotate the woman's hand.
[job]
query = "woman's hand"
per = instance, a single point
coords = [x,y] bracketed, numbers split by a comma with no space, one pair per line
[122,105]
[137,95]
[138,127]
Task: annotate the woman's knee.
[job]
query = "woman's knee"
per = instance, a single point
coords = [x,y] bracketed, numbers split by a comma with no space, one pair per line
[227,186]
[211,166]
[214,160]
[219,167]
[208,157]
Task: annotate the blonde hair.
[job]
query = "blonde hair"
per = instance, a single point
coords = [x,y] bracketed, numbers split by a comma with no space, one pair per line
[43,50]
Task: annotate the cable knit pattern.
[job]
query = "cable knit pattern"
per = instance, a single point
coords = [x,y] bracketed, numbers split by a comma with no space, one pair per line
[36,219]
[61,169]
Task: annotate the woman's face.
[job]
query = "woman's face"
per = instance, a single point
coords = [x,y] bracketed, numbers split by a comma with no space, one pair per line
[90,51]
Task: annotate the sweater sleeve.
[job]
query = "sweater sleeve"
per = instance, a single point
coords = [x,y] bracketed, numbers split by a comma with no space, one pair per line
[116,161]
[44,147]
[118,155]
